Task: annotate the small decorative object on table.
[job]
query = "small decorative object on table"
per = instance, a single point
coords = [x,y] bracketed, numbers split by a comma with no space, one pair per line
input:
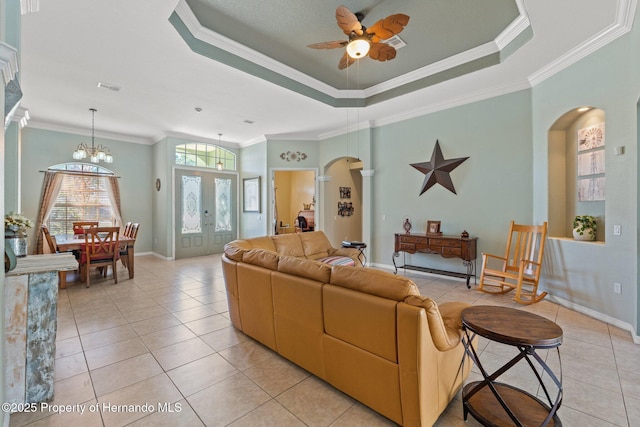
[407,225]
[433,228]
[584,227]
[464,234]
[15,232]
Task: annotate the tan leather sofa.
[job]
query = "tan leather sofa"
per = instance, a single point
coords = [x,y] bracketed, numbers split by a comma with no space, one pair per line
[367,332]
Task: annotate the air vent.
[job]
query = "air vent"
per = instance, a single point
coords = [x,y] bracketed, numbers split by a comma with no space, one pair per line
[395,42]
[109,86]
[250,122]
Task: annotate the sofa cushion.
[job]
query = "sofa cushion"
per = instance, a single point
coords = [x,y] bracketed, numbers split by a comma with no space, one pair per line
[288,244]
[445,321]
[315,244]
[261,258]
[374,282]
[337,260]
[264,242]
[302,267]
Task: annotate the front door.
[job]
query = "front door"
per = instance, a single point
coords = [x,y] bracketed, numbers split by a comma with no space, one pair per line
[206,212]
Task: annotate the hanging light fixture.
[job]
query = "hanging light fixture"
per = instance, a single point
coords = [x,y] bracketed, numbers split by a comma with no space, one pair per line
[95,154]
[219,164]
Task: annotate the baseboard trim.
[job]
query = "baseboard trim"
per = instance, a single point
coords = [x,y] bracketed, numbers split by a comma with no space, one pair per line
[597,315]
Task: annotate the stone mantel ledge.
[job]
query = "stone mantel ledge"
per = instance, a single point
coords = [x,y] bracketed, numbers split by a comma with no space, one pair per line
[42,263]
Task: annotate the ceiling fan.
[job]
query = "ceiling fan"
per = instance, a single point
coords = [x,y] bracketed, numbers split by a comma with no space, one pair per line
[362,40]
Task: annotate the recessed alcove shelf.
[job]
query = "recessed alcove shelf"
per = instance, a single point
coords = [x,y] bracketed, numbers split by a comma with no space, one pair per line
[565,174]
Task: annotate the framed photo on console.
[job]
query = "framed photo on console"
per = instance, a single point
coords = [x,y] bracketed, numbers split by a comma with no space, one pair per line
[433,228]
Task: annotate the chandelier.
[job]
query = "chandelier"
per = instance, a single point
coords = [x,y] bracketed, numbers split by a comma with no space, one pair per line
[95,154]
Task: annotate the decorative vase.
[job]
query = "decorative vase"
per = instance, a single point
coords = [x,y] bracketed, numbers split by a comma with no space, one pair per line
[407,225]
[587,234]
[17,243]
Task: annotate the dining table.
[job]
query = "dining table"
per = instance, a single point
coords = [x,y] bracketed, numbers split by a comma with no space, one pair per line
[76,242]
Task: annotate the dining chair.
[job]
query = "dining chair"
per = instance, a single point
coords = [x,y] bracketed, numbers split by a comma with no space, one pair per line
[132,233]
[50,239]
[53,247]
[79,227]
[101,249]
[126,228]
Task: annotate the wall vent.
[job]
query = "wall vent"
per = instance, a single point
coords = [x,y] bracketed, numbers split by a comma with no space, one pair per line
[109,86]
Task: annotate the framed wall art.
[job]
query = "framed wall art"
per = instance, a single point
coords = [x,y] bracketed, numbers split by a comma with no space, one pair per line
[251,194]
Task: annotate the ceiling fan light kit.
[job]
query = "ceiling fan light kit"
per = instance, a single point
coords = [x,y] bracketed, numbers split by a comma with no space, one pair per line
[364,41]
[358,48]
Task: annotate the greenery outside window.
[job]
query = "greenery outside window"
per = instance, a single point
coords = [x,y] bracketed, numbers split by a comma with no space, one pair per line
[205,156]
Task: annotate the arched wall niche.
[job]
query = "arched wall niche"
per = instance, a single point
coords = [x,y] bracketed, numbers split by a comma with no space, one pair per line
[564,171]
[345,174]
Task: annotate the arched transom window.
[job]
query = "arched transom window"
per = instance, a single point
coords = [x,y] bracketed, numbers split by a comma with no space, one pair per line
[205,156]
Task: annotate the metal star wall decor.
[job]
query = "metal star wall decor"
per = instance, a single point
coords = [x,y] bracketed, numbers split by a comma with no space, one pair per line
[437,170]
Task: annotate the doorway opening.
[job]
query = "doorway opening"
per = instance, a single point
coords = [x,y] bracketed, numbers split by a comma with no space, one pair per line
[294,195]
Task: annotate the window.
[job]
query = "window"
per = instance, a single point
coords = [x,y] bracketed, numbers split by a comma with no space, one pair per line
[84,196]
[205,156]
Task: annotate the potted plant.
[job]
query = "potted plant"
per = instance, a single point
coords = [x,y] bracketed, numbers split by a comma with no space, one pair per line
[15,232]
[584,227]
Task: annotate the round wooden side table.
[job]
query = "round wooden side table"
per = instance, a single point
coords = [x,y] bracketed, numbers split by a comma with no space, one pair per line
[494,403]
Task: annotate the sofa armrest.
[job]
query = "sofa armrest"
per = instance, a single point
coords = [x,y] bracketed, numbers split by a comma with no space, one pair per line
[445,321]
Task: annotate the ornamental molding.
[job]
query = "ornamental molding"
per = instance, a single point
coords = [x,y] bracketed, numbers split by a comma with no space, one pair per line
[8,62]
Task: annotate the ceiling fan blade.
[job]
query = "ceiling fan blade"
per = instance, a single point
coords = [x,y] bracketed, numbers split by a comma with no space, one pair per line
[348,21]
[382,52]
[345,61]
[328,45]
[388,27]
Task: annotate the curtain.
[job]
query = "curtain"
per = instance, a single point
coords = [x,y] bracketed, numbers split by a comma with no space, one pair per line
[114,197]
[50,190]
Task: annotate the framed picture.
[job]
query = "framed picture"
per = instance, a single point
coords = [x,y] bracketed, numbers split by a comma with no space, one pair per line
[251,195]
[433,227]
[345,192]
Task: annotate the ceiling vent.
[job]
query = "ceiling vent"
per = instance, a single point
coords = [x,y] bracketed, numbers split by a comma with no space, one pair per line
[395,42]
[109,86]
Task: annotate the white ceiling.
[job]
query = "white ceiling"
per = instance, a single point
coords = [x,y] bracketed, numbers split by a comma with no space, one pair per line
[71,45]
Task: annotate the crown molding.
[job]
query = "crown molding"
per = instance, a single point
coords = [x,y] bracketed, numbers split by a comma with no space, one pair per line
[35,124]
[209,36]
[624,21]
[8,62]
[478,95]
[206,35]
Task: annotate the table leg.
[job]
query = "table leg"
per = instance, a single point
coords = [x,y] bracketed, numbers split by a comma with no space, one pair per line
[130,262]
[62,279]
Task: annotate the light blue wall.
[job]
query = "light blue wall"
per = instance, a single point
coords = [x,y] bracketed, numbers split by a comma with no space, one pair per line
[578,272]
[12,168]
[132,163]
[162,203]
[253,224]
[493,186]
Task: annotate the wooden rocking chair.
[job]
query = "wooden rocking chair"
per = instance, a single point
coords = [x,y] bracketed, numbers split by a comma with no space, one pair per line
[520,267]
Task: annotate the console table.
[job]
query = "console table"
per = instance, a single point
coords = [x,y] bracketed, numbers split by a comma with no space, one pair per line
[445,246]
[494,403]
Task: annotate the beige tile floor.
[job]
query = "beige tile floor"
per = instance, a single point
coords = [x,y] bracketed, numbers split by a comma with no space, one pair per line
[165,337]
